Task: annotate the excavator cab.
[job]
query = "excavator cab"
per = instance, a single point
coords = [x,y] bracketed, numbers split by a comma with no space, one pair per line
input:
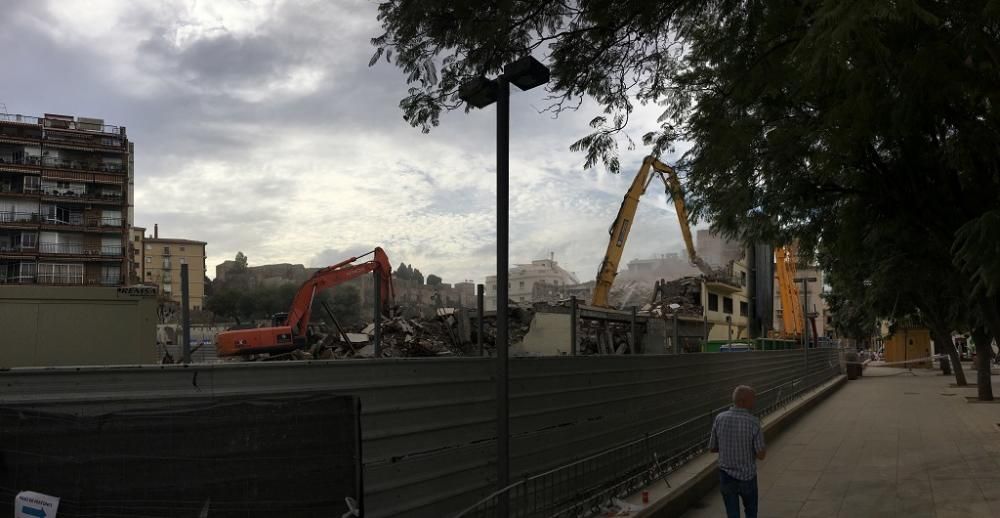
[279,319]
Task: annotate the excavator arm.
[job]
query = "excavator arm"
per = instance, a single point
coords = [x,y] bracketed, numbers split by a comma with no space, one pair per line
[282,338]
[298,315]
[619,230]
[676,193]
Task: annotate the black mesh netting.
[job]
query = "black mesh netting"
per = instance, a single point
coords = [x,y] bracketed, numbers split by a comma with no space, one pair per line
[250,456]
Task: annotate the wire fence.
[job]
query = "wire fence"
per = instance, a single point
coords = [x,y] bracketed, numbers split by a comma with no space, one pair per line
[581,488]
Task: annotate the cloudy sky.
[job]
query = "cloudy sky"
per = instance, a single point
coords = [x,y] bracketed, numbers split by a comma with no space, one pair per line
[259,127]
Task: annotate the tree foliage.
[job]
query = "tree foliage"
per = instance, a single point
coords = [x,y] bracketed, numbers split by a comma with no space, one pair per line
[864,128]
[434,280]
[407,272]
[241,263]
[261,303]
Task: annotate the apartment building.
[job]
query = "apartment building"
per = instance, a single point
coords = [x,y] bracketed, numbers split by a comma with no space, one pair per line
[65,200]
[159,261]
[726,300]
[522,279]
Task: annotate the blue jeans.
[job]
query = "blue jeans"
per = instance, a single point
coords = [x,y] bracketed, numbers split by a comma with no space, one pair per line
[733,489]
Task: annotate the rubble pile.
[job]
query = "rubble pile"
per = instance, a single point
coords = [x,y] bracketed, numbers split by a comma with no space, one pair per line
[403,337]
[518,324]
[446,332]
[662,308]
[603,337]
[685,293]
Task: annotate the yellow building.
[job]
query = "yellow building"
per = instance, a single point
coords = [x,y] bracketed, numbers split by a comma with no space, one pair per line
[726,302]
[159,261]
[135,251]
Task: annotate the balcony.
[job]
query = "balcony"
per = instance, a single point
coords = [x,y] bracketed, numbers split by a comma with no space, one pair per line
[723,283]
[80,249]
[112,224]
[63,163]
[17,250]
[91,197]
[11,191]
[20,219]
[83,142]
[72,279]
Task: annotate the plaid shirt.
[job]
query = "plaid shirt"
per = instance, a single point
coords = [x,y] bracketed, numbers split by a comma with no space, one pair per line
[737,435]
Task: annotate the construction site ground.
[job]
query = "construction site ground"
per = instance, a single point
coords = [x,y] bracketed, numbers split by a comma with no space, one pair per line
[889,444]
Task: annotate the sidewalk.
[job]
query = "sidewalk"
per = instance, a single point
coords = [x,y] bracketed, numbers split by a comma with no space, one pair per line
[888,444]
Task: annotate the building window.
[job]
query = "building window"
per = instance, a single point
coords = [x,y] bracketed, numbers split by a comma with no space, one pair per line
[149,247]
[743,278]
[183,260]
[182,249]
[31,183]
[727,305]
[149,259]
[744,309]
[520,284]
[713,302]
[166,250]
[149,274]
[136,239]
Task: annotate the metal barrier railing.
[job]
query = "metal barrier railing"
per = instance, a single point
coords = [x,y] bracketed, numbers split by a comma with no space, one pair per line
[582,486]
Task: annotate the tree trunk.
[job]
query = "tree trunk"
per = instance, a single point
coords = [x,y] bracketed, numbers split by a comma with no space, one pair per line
[984,350]
[983,365]
[944,343]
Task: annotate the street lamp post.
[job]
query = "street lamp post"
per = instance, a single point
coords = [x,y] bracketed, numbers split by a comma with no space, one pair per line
[525,73]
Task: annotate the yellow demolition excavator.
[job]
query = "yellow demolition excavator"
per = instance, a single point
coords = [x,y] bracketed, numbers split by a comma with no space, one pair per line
[619,230]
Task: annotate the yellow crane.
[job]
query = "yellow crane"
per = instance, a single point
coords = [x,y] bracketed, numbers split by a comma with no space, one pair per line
[626,215]
[788,291]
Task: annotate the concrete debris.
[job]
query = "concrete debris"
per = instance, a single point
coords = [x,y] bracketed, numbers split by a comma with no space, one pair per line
[681,297]
[518,324]
[445,334]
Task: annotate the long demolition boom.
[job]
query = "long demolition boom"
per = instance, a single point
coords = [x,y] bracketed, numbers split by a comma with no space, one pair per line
[626,215]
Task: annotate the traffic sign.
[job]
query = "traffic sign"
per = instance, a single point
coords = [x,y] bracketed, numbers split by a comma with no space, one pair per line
[29,504]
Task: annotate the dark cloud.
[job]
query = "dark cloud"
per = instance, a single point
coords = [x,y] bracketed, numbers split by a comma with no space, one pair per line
[236,147]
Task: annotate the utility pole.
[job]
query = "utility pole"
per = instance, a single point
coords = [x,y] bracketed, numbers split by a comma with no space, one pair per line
[573,309]
[805,319]
[185,316]
[480,291]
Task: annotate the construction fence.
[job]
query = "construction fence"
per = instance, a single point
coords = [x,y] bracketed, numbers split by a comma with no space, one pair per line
[428,424]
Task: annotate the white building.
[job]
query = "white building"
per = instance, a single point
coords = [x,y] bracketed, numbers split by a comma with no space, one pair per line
[522,279]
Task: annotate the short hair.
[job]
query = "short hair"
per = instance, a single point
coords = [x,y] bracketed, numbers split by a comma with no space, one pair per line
[742,391]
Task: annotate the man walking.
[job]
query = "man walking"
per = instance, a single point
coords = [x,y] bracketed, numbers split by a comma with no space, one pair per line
[739,441]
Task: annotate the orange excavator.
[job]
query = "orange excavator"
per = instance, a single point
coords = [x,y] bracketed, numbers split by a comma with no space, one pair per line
[290,332]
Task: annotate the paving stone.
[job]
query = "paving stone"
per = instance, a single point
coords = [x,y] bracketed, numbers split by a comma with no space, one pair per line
[820,508]
[871,450]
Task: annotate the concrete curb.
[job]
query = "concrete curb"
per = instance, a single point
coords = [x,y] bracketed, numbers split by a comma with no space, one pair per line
[684,495]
